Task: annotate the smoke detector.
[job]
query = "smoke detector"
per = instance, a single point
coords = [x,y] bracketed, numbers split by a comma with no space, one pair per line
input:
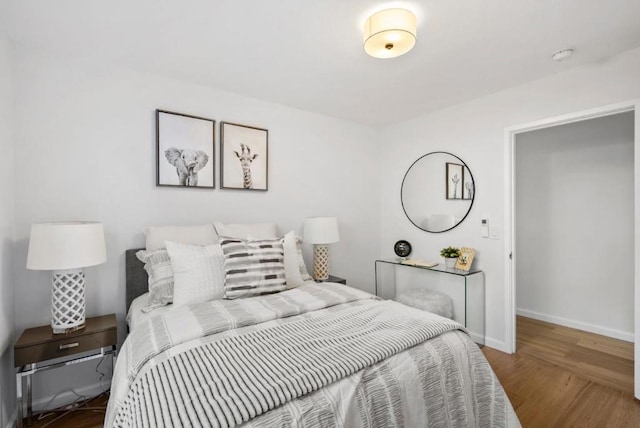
[562,54]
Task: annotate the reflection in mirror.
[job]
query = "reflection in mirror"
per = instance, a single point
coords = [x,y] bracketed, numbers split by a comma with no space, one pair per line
[437,192]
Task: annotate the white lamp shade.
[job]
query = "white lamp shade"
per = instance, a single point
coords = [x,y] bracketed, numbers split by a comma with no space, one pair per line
[390,33]
[321,230]
[66,245]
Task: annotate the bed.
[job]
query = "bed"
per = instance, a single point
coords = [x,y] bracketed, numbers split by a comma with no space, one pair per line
[317,355]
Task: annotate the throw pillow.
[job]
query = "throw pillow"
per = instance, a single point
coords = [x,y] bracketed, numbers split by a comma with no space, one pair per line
[158,266]
[198,272]
[252,267]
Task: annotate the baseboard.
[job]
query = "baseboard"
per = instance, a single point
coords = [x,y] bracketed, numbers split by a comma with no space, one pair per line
[495,344]
[578,325]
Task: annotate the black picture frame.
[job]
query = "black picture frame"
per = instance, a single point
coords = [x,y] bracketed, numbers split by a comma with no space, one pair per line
[244,157]
[454,181]
[185,150]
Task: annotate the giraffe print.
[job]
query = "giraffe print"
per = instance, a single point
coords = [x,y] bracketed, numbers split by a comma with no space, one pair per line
[245,161]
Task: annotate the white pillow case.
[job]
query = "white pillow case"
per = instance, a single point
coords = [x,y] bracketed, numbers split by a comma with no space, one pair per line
[247,230]
[194,235]
[198,272]
[295,270]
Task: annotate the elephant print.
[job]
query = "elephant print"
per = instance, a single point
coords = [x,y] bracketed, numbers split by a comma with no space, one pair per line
[187,162]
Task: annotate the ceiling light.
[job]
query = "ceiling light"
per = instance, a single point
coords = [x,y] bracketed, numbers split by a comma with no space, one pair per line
[390,33]
[562,54]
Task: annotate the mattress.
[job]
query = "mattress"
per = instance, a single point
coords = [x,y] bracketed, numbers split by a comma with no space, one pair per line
[317,355]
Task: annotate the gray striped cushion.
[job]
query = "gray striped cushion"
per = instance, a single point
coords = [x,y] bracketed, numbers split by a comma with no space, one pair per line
[252,267]
[158,266]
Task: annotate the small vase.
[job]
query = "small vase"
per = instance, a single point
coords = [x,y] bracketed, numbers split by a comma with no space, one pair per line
[450,261]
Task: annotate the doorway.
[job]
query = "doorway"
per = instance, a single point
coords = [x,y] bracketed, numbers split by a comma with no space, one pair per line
[553,207]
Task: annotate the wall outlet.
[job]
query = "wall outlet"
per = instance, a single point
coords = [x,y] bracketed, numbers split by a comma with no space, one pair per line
[494,233]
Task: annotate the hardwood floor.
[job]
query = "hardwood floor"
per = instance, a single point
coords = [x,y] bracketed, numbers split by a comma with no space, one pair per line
[559,377]
[90,416]
[564,377]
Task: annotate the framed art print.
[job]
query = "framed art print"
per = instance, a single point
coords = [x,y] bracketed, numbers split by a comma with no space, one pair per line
[454,180]
[185,150]
[465,259]
[244,157]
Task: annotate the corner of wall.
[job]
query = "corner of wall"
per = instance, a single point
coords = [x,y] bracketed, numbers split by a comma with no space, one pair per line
[7,194]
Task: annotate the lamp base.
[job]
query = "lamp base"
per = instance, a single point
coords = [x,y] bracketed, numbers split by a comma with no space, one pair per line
[67,330]
[320,262]
[67,301]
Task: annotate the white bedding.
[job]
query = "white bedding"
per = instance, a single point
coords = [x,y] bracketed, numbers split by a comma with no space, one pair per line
[135,316]
[442,382]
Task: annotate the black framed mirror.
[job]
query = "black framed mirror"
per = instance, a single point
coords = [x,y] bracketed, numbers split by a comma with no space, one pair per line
[437,192]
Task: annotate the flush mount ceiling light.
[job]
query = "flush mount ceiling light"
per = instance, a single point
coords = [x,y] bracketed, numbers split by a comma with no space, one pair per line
[562,54]
[390,33]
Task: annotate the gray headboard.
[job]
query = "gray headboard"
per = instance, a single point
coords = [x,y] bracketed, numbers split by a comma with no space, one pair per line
[137,280]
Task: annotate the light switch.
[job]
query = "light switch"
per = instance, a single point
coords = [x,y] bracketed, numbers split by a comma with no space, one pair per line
[494,233]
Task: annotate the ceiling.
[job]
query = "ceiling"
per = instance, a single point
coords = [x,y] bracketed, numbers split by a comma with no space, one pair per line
[309,55]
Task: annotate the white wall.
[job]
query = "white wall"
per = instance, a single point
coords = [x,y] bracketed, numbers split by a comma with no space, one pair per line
[7,316]
[574,224]
[475,132]
[86,150]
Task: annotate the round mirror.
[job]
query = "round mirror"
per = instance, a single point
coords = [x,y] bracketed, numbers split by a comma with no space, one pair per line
[437,192]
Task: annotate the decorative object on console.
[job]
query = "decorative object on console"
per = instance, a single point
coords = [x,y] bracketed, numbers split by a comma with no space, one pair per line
[390,33]
[185,150]
[321,231]
[66,248]
[402,249]
[450,255]
[465,259]
[244,157]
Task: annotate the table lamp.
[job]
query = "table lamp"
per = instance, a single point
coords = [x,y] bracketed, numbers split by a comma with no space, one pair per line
[321,231]
[66,248]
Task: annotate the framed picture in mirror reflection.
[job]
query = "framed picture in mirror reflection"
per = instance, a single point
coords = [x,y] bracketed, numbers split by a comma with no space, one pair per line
[454,180]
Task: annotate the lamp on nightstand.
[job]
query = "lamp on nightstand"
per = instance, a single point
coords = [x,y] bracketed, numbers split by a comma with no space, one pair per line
[66,248]
[321,231]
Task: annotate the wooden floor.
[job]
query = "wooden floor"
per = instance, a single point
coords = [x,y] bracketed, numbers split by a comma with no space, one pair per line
[561,377]
[89,416]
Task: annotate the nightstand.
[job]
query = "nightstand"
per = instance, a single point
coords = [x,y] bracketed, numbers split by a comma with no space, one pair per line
[333,278]
[39,349]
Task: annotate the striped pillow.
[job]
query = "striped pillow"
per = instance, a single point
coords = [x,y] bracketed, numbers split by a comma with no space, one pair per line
[252,267]
[158,266]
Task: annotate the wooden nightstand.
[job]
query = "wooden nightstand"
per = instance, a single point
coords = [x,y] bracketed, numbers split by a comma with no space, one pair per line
[333,278]
[39,349]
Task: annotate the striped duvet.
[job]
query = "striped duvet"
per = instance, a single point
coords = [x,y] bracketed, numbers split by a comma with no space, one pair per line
[321,356]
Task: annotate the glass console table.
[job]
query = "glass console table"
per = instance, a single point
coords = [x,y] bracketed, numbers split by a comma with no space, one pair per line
[466,289]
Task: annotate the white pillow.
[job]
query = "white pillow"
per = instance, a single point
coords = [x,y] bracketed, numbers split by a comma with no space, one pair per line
[295,271]
[198,272]
[194,235]
[247,231]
